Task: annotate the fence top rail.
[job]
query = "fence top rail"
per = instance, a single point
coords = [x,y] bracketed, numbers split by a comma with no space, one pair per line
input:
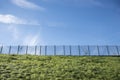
[60,45]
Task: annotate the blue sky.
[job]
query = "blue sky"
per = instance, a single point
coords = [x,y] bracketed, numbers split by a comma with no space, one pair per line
[59,22]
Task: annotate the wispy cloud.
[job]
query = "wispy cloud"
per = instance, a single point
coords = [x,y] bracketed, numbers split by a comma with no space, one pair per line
[113,4]
[17,34]
[11,19]
[31,40]
[94,2]
[27,4]
[77,2]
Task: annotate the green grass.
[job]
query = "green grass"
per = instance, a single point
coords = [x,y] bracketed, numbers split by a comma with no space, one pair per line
[28,67]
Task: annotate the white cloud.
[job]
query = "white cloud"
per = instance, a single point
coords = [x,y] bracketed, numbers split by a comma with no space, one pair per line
[31,40]
[27,4]
[11,19]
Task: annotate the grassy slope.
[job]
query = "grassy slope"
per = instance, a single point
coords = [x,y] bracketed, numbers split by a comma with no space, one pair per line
[26,67]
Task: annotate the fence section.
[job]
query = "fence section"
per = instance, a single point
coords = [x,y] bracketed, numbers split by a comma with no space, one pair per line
[62,50]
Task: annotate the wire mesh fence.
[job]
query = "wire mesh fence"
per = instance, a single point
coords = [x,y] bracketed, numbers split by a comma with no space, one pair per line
[64,50]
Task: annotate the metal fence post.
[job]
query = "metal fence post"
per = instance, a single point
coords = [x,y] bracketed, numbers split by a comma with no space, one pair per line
[54,50]
[79,49]
[108,50]
[89,50]
[98,50]
[45,50]
[9,50]
[64,50]
[26,49]
[35,50]
[40,50]
[117,50]
[1,49]
[70,50]
[18,49]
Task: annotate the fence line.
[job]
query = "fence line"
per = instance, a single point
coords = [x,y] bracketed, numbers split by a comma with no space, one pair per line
[62,50]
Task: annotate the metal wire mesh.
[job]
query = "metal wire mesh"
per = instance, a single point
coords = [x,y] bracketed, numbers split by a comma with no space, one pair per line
[68,50]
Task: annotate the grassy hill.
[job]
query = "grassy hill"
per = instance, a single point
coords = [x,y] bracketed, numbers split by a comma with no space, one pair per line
[28,67]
